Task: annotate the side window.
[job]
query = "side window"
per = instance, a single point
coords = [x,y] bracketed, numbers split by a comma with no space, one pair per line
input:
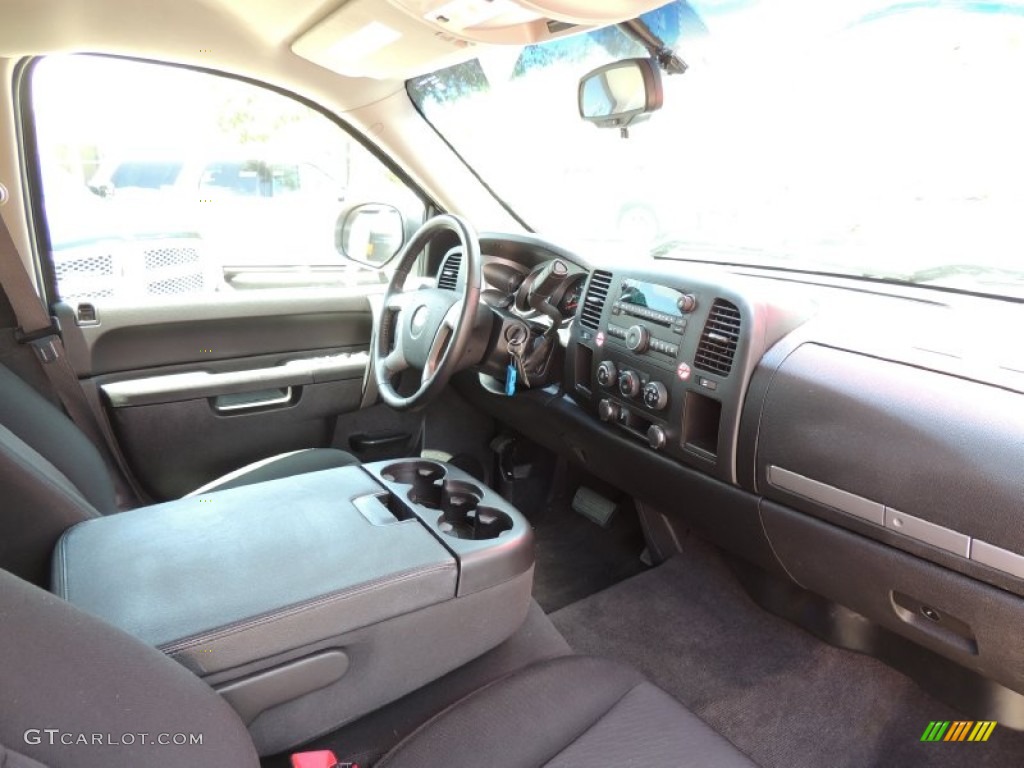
[161,181]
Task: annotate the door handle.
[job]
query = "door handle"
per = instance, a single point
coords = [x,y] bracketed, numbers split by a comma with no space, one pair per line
[363,442]
[239,402]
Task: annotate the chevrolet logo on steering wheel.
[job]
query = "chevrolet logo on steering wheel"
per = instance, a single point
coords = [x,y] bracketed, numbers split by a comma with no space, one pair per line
[419,319]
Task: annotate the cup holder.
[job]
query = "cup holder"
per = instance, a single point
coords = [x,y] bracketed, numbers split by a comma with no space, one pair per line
[413,472]
[462,517]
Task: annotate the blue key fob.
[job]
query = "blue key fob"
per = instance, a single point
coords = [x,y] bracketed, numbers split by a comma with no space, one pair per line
[510,380]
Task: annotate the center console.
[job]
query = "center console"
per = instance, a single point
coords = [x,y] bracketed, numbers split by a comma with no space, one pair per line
[665,362]
[311,600]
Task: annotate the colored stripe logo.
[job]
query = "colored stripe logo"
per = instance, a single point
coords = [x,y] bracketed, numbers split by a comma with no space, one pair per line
[958,730]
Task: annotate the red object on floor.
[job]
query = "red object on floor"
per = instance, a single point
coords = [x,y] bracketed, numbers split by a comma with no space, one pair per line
[322,759]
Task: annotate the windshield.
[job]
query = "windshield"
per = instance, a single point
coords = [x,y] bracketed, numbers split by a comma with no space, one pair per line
[865,138]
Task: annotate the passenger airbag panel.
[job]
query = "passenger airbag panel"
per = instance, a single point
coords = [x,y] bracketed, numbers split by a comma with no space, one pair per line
[927,456]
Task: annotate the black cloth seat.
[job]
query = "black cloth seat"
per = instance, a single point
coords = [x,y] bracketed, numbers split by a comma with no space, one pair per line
[570,712]
[65,671]
[52,476]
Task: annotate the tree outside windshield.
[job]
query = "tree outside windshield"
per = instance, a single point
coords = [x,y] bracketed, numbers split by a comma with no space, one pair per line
[861,137]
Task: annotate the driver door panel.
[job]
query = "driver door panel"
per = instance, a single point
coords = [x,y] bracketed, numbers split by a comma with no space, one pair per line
[194,393]
[196,245]
[109,339]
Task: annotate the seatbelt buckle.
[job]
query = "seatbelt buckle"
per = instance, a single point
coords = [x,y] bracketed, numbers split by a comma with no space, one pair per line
[321,759]
[42,341]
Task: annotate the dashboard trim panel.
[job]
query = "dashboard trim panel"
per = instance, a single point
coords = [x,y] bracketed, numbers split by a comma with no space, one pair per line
[996,557]
[829,495]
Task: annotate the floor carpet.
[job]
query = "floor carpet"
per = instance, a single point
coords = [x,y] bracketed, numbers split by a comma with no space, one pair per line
[779,694]
[576,557]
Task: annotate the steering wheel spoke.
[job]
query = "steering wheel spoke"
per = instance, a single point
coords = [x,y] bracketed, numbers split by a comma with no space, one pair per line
[394,362]
[397,302]
[442,339]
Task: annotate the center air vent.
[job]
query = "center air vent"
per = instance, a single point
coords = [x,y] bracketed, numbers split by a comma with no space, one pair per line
[717,346]
[448,277]
[593,302]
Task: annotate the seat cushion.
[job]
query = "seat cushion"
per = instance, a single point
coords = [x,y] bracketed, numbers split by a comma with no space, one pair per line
[571,711]
[283,465]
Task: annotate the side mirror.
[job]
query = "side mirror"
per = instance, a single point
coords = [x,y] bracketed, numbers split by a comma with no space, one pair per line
[370,233]
[620,94]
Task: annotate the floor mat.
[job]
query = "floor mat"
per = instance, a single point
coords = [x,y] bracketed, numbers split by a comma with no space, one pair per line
[576,557]
[779,694]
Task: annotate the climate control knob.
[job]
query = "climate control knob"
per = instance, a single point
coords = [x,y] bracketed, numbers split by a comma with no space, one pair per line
[607,374]
[656,437]
[638,339]
[655,395]
[607,410]
[629,383]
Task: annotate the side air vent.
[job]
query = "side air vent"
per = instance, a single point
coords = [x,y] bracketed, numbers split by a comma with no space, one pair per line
[717,346]
[593,302]
[448,277]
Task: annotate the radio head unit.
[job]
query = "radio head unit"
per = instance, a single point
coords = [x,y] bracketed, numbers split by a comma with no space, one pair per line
[659,303]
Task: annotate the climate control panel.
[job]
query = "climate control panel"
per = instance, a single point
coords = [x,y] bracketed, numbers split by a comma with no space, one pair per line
[635,398]
[633,385]
[655,395]
[607,374]
[629,383]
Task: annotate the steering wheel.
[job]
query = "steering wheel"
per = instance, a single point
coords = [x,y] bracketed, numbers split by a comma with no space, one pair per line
[427,329]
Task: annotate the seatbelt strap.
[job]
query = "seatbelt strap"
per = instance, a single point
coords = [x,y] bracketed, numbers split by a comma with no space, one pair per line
[42,332]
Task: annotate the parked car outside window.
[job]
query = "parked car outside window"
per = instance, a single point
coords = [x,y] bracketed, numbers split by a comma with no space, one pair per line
[167,181]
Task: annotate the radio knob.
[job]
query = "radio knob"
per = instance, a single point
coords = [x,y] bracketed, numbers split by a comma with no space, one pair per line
[655,395]
[656,437]
[607,410]
[629,383]
[687,302]
[606,374]
[637,339]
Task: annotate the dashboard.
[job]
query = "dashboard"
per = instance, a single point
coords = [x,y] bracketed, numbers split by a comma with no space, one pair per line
[857,440]
[662,358]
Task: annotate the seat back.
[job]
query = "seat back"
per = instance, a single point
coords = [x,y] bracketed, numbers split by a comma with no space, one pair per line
[51,477]
[80,693]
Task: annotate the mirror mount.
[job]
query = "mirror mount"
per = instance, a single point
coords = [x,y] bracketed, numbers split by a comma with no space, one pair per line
[668,60]
[621,94]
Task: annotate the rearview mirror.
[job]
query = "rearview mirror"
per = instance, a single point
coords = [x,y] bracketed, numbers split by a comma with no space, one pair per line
[620,94]
[370,233]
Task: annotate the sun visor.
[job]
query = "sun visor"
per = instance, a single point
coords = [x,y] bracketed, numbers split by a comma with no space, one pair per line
[398,39]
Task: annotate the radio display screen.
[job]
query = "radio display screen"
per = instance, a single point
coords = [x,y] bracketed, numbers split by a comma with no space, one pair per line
[656,297]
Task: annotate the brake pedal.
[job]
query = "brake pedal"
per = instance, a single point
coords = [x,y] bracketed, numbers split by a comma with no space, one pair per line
[593,506]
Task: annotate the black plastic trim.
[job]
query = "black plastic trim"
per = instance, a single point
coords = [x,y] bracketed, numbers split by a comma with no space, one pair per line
[719,511]
[964,650]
